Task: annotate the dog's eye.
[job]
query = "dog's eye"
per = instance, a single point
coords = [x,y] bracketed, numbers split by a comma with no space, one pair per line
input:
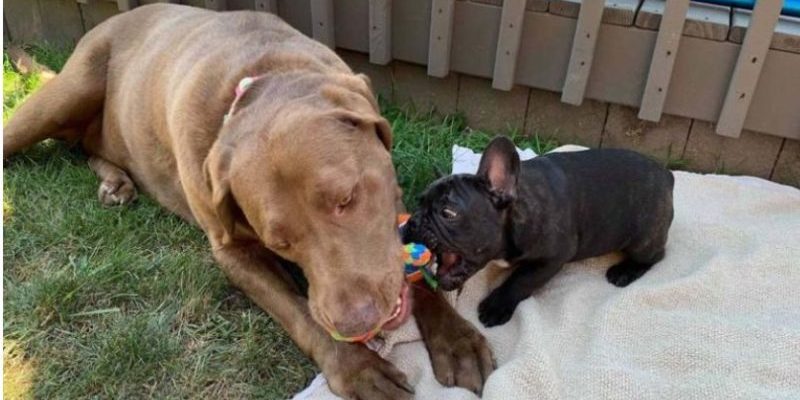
[449,213]
[343,203]
[281,245]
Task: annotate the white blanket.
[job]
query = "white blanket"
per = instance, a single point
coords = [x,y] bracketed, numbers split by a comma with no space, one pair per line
[718,318]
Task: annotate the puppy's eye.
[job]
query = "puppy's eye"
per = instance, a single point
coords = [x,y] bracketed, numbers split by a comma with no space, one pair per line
[449,213]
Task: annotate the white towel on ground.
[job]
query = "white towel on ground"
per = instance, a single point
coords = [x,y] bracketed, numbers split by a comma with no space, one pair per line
[718,318]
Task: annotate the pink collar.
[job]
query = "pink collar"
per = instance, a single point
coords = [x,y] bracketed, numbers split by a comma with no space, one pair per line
[244,84]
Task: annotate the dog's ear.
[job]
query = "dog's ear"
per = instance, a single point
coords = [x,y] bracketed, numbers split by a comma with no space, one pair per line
[500,167]
[379,124]
[384,132]
[358,106]
[216,169]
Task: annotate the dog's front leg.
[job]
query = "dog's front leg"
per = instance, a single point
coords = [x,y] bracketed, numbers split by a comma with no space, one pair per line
[498,307]
[459,353]
[352,370]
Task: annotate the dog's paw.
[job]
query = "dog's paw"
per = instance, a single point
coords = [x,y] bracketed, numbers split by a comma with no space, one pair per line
[496,309]
[460,355]
[118,192]
[624,273]
[355,372]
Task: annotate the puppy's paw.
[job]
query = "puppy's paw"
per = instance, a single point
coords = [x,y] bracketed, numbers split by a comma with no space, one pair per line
[624,273]
[117,192]
[496,309]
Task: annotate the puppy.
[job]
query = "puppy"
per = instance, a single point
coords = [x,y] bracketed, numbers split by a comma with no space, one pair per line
[542,213]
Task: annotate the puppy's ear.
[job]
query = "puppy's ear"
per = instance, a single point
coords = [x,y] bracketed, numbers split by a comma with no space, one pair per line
[216,169]
[500,167]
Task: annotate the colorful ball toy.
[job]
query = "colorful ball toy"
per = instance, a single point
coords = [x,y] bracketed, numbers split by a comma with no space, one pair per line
[419,260]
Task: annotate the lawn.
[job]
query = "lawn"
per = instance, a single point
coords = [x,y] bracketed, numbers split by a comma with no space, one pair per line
[127,302]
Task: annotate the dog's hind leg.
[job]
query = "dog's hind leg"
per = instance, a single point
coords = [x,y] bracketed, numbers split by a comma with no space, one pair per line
[116,187]
[636,263]
[642,253]
[63,107]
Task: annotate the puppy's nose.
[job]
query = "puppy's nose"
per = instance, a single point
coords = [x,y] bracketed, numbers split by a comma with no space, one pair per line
[361,317]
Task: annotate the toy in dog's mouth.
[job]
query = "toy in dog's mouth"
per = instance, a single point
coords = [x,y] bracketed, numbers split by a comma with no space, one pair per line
[451,271]
[398,317]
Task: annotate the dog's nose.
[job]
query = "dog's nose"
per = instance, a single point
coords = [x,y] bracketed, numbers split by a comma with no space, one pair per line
[362,317]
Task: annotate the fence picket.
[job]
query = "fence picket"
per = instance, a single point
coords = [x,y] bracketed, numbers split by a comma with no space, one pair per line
[440,39]
[219,5]
[270,6]
[664,54]
[322,23]
[583,44]
[127,5]
[380,31]
[748,67]
[505,60]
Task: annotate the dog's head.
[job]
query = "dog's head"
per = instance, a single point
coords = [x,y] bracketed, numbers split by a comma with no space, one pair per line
[462,218]
[313,179]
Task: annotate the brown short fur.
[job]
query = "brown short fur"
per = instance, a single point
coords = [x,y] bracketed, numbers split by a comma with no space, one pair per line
[145,93]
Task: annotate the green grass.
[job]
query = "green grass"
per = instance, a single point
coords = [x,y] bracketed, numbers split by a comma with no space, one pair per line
[422,147]
[127,302]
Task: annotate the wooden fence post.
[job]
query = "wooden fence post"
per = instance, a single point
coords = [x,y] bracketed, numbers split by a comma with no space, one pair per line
[270,6]
[127,5]
[664,54]
[322,22]
[580,61]
[748,67]
[510,32]
[440,38]
[218,5]
[380,31]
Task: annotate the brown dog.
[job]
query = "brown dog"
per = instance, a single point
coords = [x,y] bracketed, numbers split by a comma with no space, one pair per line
[300,171]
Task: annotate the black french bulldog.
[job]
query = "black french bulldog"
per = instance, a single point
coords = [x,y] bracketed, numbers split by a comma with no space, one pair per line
[542,213]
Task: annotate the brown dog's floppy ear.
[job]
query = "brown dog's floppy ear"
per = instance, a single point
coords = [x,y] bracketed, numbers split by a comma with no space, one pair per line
[358,106]
[384,132]
[379,124]
[217,173]
[500,167]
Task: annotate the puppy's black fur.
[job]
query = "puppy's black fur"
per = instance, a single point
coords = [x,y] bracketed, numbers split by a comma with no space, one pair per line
[542,213]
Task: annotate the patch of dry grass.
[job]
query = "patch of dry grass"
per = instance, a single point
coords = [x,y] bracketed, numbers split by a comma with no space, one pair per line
[18,373]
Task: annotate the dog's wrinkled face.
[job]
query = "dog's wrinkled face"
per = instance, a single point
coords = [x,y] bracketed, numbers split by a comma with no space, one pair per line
[320,190]
[462,218]
[459,223]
